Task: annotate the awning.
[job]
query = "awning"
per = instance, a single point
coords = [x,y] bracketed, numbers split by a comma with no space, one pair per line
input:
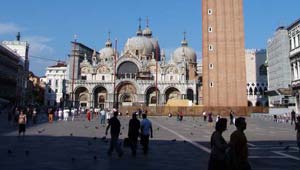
[272,93]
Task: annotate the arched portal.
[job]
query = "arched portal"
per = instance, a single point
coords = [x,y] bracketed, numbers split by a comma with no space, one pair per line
[100,97]
[127,94]
[172,93]
[82,97]
[190,94]
[151,98]
[128,70]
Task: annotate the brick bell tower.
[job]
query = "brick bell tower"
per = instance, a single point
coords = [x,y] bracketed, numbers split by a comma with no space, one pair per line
[224,69]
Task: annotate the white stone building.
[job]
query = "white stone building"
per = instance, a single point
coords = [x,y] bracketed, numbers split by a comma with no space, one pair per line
[294,37]
[21,48]
[106,79]
[55,79]
[256,75]
[279,70]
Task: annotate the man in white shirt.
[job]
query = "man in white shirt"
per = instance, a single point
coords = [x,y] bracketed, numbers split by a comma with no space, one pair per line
[102,116]
[146,131]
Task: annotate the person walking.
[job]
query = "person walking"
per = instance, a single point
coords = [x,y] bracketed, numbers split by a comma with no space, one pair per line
[238,146]
[88,115]
[108,113]
[102,116]
[16,116]
[22,120]
[146,132]
[297,128]
[50,116]
[34,116]
[114,125]
[204,116]
[293,117]
[231,115]
[218,147]
[210,119]
[133,133]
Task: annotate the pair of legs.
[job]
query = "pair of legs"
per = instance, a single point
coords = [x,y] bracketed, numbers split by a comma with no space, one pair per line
[133,144]
[22,129]
[114,144]
[102,120]
[145,143]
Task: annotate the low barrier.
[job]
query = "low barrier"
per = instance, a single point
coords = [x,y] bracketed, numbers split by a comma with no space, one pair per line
[194,110]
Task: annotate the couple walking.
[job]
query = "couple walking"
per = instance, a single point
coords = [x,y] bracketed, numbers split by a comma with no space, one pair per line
[133,133]
[232,156]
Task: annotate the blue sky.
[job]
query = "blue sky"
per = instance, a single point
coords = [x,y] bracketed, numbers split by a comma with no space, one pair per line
[49,26]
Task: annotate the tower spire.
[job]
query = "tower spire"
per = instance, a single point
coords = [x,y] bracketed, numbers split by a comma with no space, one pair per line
[184,41]
[109,35]
[18,36]
[139,31]
[108,43]
[147,22]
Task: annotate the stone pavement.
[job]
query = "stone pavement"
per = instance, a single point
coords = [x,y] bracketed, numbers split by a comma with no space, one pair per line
[175,146]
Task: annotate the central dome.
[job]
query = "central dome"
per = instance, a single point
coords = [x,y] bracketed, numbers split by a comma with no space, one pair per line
[139,46]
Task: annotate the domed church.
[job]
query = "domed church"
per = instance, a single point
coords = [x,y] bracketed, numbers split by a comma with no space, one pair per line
[139,75]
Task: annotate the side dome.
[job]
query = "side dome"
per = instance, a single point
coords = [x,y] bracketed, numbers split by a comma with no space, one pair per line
[106,53]
[184,53]
[139,46]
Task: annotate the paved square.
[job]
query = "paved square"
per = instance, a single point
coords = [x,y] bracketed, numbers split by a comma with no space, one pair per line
[175,146]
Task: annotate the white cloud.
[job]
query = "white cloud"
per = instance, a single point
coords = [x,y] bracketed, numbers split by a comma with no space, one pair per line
[9,28]
[39,47]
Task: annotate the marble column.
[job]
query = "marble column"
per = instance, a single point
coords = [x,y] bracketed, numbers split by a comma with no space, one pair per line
[295,71]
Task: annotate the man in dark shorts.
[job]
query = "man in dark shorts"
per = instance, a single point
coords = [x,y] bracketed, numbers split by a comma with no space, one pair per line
[114,125]
[22,123]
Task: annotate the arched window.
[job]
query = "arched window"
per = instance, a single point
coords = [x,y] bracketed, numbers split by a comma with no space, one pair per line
[250,91]
[255,91]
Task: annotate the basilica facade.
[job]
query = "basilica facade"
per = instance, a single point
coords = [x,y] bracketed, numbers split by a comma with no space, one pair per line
[139,75]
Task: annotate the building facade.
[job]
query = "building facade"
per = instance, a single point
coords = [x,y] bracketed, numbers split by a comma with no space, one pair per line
[55,81]
[21,49]
[279,69]
[10,82]
[257,80]
[294,39]
[224,70]
[139,76]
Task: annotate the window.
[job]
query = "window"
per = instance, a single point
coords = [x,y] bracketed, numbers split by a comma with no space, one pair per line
[56,90]
[211,84]
[210,47]
[263,70]
[209,11]
[209,29]
[171,77]
[56,83]
[211,66]
[137,52]
[49,82]
[83,77]
[103,77]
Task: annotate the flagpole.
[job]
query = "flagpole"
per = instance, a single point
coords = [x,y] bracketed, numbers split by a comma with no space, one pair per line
[115,105]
